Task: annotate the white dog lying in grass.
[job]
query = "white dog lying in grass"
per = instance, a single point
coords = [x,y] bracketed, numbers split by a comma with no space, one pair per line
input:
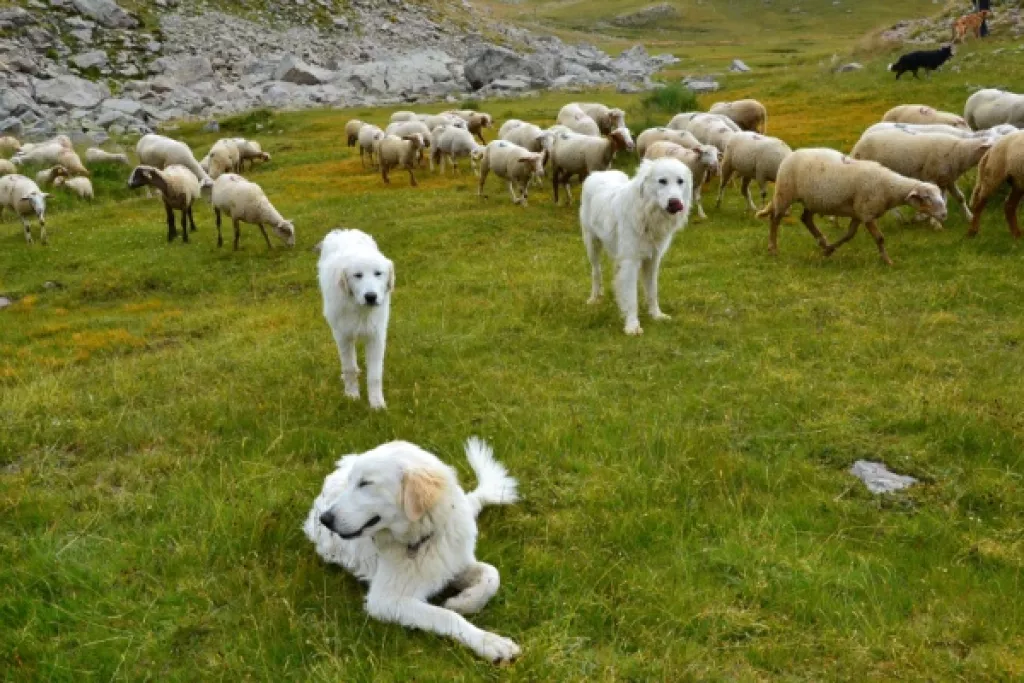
[356,281]
[634,221]
[397,518]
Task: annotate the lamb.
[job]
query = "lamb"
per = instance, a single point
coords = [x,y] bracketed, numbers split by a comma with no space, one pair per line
[94,155]
[7,167]
[399,151]
[352,131]
[80,186]
[606,119]
[457,142]
[476,121]
[1004,162]
[937,159]
[919,113]
[575,119]
[581,155]
[160,152]
[9,144]
[369,136]
[827,182]
[680,137]
[990,107]
[748,114]
[45,153]
[702,162]
[178,186]
[245,202]
[752,157]
[249,150]
[224,157]
[46,177]
[25,197]
[512,163]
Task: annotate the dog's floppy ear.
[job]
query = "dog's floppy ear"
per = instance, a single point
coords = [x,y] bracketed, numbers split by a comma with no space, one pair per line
[343,282]
[421,489]
[391,276]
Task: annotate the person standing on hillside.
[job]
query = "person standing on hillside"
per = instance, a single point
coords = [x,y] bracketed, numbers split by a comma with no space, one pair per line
[980,5]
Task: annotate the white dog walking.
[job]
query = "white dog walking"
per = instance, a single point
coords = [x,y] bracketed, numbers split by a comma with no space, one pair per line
[397,518]
[634,221]
[356,281]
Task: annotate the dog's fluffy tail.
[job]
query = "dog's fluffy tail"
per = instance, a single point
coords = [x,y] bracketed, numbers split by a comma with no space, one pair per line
[891,66]
[494,486]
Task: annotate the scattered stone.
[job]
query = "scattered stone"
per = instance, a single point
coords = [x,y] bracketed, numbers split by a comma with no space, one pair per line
[627,88]
[701,85]
[106,13]
[87,60]
[739,66]
[71,91]
[877,477]
[646,16]
[4,302]
[291,69]
[852,66]
[52,284]
[211,127]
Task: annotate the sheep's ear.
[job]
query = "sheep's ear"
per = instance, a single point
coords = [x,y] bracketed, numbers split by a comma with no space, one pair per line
[46,194]
[421,490]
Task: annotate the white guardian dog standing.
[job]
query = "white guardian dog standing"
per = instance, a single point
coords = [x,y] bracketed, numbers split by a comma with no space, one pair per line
[397,518]
[634,221]
[356,281]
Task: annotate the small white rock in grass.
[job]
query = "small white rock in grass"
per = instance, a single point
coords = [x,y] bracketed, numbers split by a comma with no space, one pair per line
[877,477]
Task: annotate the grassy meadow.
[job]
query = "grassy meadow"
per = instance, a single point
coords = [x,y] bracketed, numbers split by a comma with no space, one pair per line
[168,412]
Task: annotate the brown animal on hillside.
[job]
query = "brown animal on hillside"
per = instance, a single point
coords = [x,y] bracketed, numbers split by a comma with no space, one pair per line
[969,22]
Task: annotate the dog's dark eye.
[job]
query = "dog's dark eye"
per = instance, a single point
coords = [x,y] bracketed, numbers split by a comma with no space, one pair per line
[663,181]
[376,273]
[363,483]
[680,181]
[359,276]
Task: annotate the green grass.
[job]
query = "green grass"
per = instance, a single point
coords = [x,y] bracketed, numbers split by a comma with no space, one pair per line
[169,412]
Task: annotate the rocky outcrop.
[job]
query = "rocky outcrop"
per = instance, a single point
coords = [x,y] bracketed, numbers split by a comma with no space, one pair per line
[104,12]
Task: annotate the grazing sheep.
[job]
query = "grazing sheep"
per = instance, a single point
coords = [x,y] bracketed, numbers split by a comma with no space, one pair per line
[7,167]
[352,129]
[369,136]
[713,131]
[526,135]
[748,114]
[685,120]
[251,151]
[82,187]
[399,151]
[651,135]
[1004,162]
[9,144]
[406,128]
[25,197]
[432,121]
[476,121]
[512,163]
[94,155]
[400,116]
[920,113]
[178,187]
[575,119]
[245,202]
[990,107]
[224,157]
[939,159]
[45,153]
[160,152]
[46,177]
[941,128]
[455,143]
[435,145]
[607,119]
[752,157]
[702,162]
[830,183]
[581,155]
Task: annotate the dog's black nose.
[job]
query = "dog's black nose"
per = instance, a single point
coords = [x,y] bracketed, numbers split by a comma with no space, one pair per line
[327,519]
[371,297]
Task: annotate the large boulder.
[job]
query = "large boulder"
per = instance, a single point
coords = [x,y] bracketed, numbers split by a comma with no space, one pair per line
[105,13]
[183,70]
[70,92]
[293,70]
[489,63]
[425,71]
[87,60]
[123,105]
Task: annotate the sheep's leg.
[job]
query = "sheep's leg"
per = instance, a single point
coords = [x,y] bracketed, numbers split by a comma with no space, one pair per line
[191,219]
[979,198]
[184,226]
[238,232]
[375,372]
[28,230]
[625,292]
[726,175]
[745,191]
[42,232]
[808,220]
[593,247]
[384,173]
[650,269]
[265,235]
[512,191]
[872,227]
[554,184]
[412,178]
[958,193]
[171,230]
[349,364]
[220,237]
[850,233]
[773,233]
[568,189]
[764,192]
[698,201]
[1010,209]
[484,170]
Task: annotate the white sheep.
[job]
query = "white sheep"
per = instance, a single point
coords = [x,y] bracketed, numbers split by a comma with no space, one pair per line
[455,143]
[251,151]
[245,202]
[514,164]
[45,153]
[476,121]
[432,121]
[224,157]
[160,152]
[575,119]
[94,155]
[529,137]
[702,162]
[400,116]
[990,107]
[369,136]
[939,159]
[920,113]
[406,128]
[7,167]
[25,197]
[713,131]
[680,137]
[830,183]
[747,114]
[580,155]
[685,120]
[178,187]
[46,177]
[352,129]
[435,145]
[82,187]
[606,118]
[1004,162]
[940,128]
[401,152]
[9,144]
[752,157]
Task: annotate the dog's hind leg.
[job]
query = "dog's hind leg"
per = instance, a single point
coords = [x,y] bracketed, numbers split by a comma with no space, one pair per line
[625,292]
[594,254]
[349,364]
[375,372]
[476,586]
[650,269]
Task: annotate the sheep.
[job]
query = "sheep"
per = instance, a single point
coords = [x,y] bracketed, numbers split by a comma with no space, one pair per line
[713,131]
[1004,162]
[512,163]
[702,162]
[680,137]
[352,131]
[45,153]
[369,136]
[581,155]
[400,116]
[938,159]
[941,128]
[685,120]
[454,143]
[748,114]
[80,186]
[752,157]
[399,151]
[606,119]
[178,186]
[7,167]
[160,152]
[435,145]
[432,121]
[920,113]
[406,128]
[9,145]
[527,135]
[245,202]
[249,150]
[25,197]
[828,182]
[47,176]
[94,155]
[575,119]
[990,107]
[476,121]
[224,157]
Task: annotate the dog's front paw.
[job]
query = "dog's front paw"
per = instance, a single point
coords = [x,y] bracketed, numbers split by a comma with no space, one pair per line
[377,403]
[633,329]
[498,650]
[658,315]
[352,393]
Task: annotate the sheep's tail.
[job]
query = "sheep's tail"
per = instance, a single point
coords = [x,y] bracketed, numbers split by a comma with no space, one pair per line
[494,486]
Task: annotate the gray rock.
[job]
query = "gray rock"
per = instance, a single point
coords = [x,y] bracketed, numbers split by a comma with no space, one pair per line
[211,127]
[341,23]
[509,84]
[82,35]
[123,105]
[628,88]
[565,81]
[291,69]
[184,70]
[15,17]
[106,13]
[877,477]
[70,91]
[701,85]
[12,126]
[491,62]
[4,302]
[647,16]
[93,58]
[852,66]
[739,66]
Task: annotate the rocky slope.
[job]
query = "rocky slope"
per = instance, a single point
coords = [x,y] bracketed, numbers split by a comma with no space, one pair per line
[95,66]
